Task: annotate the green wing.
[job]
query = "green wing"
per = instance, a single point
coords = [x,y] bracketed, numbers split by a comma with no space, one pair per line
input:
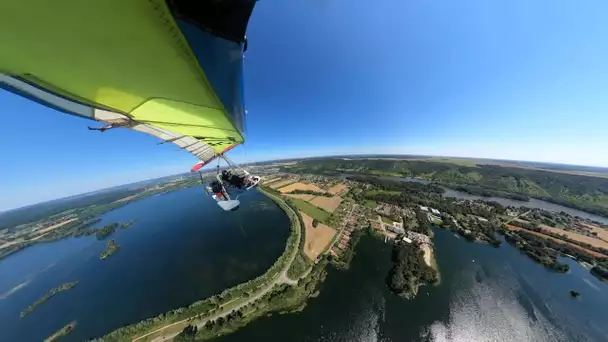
[136,62]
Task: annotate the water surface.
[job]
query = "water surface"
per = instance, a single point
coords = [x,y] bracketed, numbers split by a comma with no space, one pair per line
[182,248]
[486,294]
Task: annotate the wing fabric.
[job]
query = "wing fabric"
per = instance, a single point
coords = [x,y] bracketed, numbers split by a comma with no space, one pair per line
[172,69]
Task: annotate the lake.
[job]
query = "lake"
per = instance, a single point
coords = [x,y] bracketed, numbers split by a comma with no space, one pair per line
[532,203]
[182,248]
[485,294]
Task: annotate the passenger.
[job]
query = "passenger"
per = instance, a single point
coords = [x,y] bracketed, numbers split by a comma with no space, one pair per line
[234,180]
[218,190]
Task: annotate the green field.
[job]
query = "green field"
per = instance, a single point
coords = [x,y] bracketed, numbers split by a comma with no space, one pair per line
[310,210]
[370,204]
[457,161]
[376,192]
[386,173]
[386,220]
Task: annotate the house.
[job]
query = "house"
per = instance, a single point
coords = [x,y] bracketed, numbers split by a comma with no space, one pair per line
[424,208]
[417,237]
[435,211]
[406,240]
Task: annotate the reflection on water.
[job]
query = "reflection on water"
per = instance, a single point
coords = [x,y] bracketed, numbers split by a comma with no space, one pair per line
[487,309]
[502,296]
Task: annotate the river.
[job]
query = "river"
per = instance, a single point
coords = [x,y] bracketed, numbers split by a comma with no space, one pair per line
[532,203]
[182,248]
[485,294]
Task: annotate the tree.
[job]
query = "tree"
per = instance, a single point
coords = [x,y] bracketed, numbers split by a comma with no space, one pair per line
[315,223]
[188,334]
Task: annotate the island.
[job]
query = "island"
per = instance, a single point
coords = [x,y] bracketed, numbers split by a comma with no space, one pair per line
[61,332]
[47,296]
[76,217]
[111,248]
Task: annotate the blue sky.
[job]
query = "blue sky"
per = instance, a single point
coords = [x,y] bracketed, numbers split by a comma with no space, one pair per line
[512,79]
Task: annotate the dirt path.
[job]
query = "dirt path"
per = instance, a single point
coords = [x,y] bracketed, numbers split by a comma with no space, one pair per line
[279,279]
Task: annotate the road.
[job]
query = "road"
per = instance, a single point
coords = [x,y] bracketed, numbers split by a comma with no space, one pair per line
[518,216]
[279,279]
[342,229]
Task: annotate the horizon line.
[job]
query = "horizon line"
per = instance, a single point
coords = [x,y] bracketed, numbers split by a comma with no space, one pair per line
[310,157]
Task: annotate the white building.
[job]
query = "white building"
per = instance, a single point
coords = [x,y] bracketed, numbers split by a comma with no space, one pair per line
[424,208]
[435,211]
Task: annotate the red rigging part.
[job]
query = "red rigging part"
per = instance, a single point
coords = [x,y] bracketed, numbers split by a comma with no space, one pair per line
[197,166]
[229,148]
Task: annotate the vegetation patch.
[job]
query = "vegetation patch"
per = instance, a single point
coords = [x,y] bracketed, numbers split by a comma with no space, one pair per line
[111,248]
[310,209]
[61,332]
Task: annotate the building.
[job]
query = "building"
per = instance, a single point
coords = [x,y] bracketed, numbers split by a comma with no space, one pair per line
[424,208]
[435,211]
[434,219]
[417,237]
[406,240]
[396,230]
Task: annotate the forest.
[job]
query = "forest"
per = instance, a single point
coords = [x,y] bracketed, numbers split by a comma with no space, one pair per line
[409,270]
[310,192]
[580,192]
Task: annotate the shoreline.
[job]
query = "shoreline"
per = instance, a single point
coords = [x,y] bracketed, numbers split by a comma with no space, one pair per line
[239,304]
[432,262]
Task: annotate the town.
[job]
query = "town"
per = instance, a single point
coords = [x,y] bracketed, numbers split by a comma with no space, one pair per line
[336,208]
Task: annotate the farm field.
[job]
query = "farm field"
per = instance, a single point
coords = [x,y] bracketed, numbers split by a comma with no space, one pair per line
[270,180]
[327,203]
[279,184]
[577,237]
[602,233]
[600,255]
[317,238]
[310,210]
[305,197]
[300,186]
[337,189]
